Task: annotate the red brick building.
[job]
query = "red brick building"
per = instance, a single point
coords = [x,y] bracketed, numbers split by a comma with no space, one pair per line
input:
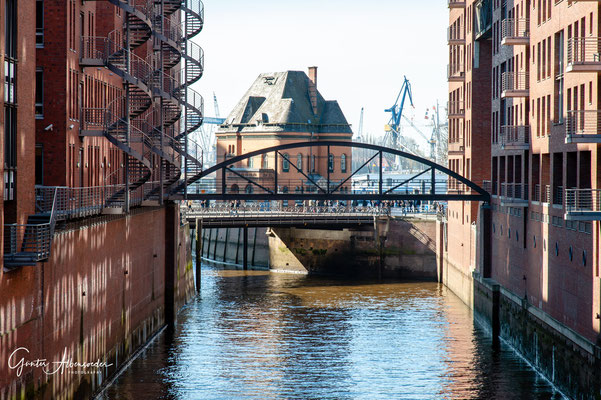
[524,121]
[281,108]
[97,113]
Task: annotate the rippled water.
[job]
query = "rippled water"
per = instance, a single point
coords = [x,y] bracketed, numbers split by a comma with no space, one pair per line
[261,335]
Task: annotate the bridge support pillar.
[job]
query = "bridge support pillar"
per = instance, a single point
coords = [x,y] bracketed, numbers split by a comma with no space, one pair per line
[486,243]
[245,248]
[198,252]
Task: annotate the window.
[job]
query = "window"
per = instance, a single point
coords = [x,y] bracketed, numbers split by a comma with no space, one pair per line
[331,162]
[10,151]
[39,93]
[343,163]
[10,99]
[250,162]
[39,23]
[285,163]
[313,163]
[264,162]
[299,162]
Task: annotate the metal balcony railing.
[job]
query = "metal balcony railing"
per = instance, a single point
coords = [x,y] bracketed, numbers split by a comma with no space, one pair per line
[455,71]
[76,202]
[456,3]
[455,36]
[546,195]
[584,50]
[456,139]
[27,242]
[456,109]
[536,194]
[515,136]
[585,124]
[512,82]
[583,201]
[558,195]
[515,31]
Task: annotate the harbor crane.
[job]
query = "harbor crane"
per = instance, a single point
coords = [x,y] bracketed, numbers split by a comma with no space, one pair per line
[393,127]
[431,141]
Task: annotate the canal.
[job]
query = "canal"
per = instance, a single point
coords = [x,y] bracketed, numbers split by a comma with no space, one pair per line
[261,335]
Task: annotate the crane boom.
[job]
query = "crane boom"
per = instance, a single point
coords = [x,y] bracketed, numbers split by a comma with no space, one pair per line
[396,111]
[360,132]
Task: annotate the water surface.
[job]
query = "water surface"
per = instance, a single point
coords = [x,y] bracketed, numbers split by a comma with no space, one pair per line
[262,335]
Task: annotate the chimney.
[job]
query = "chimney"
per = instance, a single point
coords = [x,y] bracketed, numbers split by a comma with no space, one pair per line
[313,88]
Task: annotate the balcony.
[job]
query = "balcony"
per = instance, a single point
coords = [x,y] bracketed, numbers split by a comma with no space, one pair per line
[456,3]
[584,54]
[456,109]
[455,73]
[456,146]
[514,194]
[536,193]
[583,204]
[558,196]
[583,126]
[515,137]
[515,84]
[515,32]
[454,37]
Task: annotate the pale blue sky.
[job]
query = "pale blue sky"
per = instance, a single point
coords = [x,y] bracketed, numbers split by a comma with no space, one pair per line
[362,49]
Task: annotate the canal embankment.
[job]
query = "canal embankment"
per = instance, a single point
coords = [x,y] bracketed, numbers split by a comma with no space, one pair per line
[111,284]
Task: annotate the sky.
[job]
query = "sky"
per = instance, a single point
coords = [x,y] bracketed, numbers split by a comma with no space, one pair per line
[362,49]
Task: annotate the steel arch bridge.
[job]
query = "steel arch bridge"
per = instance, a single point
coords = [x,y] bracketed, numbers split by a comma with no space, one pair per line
[286,177]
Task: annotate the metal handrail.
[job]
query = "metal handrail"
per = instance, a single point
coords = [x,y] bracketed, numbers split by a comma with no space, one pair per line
[456,108]
[558,195]
[583,122]
[455,70]
[515,81]
[582,50]
[583,200]
[515,135]
[515,28]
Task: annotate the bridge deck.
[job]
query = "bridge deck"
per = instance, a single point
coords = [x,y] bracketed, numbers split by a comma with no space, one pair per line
[293,217]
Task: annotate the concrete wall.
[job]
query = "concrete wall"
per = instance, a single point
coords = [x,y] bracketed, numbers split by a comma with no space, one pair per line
[226,245]
[567,359]
[100,297]
[408,249]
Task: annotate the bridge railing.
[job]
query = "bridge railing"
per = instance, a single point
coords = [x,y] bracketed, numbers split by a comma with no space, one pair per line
[267,184]
[221,209]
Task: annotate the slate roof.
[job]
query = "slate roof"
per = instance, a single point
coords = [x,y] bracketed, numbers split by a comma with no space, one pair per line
[279,102]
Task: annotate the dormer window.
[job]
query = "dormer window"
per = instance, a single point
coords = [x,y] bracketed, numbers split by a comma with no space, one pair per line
[265,118]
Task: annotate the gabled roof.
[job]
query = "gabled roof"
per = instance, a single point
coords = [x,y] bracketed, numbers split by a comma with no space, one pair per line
[282,98]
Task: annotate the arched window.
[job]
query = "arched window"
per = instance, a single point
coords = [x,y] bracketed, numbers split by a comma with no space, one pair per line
[285,162]
[235,188]
[250,162]
[343,163]
[331,162]
[264,163]
[299,162]
[313,163]
[249,189]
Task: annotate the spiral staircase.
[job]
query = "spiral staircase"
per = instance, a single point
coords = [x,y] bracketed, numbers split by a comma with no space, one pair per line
[152,122]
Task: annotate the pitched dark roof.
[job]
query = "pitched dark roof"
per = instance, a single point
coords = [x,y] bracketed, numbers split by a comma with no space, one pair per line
[280,102]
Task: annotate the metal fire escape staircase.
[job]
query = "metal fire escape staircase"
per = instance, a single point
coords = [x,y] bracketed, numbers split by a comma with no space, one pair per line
[145,124]
[158,95]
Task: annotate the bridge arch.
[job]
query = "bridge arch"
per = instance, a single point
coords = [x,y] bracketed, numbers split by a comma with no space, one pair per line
[267,183]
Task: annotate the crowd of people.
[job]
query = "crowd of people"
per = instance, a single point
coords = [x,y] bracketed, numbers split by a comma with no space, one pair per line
[405,206]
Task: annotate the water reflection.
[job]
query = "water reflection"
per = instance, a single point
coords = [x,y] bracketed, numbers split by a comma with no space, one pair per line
[257,335]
